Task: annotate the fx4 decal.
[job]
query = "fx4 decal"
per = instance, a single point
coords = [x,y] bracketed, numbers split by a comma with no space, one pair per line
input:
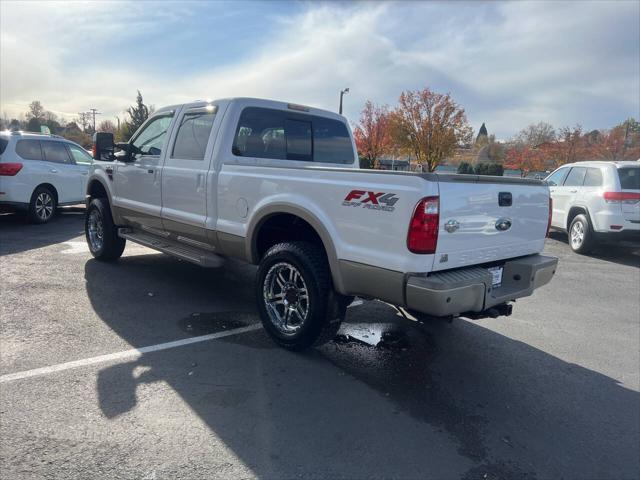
[371,200]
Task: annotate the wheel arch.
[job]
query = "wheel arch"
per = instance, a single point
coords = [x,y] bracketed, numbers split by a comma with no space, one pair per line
[50,187]
[306,223]
[574,211]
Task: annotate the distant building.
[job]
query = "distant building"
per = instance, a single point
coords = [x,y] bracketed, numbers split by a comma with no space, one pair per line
[391,164]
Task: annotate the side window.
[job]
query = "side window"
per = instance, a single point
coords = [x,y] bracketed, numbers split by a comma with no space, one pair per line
[55,152]
[260,133]
[298,135]
[151,139]
[593,178]
[557,177]
[29,149]
[80,156]
[331,141]
[575,177]
[193,135]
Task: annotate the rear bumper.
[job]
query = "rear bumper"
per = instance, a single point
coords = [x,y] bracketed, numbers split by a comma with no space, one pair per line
[469,290]
[626,235]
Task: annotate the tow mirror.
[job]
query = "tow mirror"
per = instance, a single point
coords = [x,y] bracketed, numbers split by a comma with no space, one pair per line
[103,146]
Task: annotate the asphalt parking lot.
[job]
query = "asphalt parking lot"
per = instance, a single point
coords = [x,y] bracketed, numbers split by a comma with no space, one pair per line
[550,392]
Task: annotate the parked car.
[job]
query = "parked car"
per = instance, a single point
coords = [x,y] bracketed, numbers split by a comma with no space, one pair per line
[596,202]
[39,172]
[278,185]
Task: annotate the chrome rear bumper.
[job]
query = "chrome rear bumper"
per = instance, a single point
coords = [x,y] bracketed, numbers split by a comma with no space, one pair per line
[462,290]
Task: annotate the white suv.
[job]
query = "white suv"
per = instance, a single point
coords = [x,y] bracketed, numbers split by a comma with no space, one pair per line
[596,202]
[39,172]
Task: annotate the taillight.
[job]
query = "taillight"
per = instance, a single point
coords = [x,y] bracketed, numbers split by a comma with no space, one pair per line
[550,215]
[624,197]
[93,150]
[423,228]
[9,169]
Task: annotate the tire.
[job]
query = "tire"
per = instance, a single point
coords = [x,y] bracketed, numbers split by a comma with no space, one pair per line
[296,301]
[42,207]
[102,235]
[581,238]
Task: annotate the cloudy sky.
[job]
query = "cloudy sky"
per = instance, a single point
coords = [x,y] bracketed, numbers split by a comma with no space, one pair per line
[508,64]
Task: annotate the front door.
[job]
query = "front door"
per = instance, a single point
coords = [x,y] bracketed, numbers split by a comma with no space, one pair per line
[184,176]
[138,182]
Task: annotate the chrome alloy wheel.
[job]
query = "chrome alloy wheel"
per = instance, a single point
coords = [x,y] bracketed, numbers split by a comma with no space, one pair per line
[44,206]
[577,235]
[286,298]
[95,230]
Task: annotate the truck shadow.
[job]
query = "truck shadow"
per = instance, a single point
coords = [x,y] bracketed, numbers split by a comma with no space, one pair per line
[16,235]
[390,396]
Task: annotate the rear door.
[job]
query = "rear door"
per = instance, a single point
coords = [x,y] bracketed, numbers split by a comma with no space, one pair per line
[184,176]
[485,219]
[566,194]
[64,176]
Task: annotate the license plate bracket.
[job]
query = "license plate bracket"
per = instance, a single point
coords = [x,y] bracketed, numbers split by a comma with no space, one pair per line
[496,273]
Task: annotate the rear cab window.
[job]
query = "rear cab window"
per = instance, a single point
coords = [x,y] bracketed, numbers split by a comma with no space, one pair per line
[284,135]
[629,178]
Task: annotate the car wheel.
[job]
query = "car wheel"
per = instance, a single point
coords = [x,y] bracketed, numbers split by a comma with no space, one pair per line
[296,301]
[102,235]
[581,235]
[42,206]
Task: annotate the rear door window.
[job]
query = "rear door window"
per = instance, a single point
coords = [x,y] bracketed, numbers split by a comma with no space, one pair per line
[29,149]
[629,178]
[575,177]
[55,152]
[593,177]
[3,145]
[193,135]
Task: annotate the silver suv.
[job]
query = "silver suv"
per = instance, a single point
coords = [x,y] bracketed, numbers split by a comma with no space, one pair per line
[596,202]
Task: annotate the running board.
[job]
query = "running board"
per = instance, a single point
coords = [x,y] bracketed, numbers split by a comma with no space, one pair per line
[173,248]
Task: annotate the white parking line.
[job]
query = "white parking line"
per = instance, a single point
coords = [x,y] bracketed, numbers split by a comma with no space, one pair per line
[133,353]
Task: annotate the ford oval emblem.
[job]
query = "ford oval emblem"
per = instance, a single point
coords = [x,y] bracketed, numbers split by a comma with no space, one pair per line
[503,224]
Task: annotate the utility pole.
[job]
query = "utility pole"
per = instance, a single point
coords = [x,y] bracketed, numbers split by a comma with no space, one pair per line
[342,92]
[94,112]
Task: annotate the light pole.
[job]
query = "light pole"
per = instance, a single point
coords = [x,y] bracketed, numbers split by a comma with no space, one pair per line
[342,92]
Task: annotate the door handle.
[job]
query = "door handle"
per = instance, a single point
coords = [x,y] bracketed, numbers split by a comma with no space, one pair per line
[573,191]
[53,170]
[150,170]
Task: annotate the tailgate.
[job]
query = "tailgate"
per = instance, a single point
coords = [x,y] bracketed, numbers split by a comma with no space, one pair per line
[485,219]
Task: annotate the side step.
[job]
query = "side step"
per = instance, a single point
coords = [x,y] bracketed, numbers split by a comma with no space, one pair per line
[173,248]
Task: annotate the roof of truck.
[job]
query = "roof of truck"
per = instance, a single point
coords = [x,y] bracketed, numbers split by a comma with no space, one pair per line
[266,103]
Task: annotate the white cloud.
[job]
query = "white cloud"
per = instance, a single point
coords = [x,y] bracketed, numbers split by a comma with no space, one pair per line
[509,64]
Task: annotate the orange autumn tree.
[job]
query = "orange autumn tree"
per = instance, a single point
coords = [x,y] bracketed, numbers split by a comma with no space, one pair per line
[372,133]
[616,144]
[429,126]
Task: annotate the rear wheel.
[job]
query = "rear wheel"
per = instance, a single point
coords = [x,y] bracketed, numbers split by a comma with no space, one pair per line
[102,235]
[581,235]
[296,302]
[42,206]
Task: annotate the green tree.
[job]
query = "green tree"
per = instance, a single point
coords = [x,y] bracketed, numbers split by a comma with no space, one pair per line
[495,169]
[465,167]
[138,114]
[36,110]
[33,125]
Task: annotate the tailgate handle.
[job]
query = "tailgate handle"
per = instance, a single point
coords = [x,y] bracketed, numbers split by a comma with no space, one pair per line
[505,199]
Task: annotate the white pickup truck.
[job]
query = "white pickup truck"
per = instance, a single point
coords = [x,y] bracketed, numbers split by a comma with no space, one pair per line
[278,185]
